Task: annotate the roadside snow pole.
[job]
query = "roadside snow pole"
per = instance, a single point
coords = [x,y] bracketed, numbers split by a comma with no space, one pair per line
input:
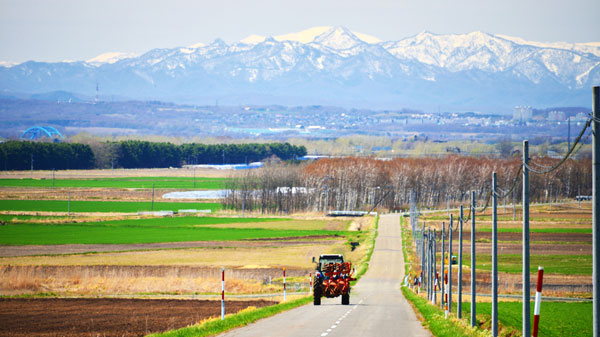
[538,301]
[446,296]
[310,281]
[223,293]
[284,290]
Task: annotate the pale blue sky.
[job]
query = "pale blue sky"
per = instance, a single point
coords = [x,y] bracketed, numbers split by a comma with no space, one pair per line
[54,30]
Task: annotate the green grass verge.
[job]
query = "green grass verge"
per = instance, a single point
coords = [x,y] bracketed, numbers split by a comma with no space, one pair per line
[40,234]
[553,264]
[364,265]
[133,182]
[78,206]
[435,321]
[216,326]
[556,318]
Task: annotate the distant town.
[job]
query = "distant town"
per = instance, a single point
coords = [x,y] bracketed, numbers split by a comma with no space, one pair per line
[275,122]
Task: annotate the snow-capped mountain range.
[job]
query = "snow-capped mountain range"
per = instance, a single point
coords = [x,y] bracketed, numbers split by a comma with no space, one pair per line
[334,65]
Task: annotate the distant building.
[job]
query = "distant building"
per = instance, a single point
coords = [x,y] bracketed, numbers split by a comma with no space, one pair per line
[580,117]
[522,113]
[556,116]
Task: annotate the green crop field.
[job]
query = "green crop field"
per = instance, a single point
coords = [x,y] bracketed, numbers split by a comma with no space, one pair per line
[556,318]
[100,206]
[99,233]
[553,264]
[186,221]
[143,182]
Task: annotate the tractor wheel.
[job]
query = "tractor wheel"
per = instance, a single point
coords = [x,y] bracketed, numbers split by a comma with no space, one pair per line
[346,299]
[317,293]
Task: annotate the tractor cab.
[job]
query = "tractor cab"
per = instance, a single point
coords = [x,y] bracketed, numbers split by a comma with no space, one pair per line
[326,259]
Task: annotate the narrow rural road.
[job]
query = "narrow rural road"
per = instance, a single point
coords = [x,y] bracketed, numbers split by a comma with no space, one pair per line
[377,306]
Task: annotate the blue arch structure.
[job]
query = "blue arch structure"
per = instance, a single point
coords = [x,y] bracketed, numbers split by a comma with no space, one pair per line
[38,132]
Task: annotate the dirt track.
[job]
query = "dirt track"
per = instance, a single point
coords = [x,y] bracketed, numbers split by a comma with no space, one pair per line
[106,317]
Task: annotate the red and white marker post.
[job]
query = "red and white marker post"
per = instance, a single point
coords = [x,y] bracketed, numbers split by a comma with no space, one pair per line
[310,280]
[284,290]
[223,293]
[446,295]
[538,302]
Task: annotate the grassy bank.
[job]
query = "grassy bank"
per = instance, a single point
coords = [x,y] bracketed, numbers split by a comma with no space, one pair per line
[556,318]
[436,323]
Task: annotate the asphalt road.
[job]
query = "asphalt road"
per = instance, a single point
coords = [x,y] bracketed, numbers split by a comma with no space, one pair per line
[377,306]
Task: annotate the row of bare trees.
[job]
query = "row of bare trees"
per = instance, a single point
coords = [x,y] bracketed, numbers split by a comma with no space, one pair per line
[363,183]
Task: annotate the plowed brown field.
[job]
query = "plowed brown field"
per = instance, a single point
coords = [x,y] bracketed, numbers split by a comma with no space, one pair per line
[106,317]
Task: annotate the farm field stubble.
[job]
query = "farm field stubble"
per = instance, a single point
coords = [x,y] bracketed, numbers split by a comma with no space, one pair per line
[78,206]
[201,183]
[107,317]
[123,173]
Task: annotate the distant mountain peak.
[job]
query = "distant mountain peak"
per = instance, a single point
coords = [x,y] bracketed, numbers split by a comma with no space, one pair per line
[326,61]
[338,38]
[309,35]
[110,57]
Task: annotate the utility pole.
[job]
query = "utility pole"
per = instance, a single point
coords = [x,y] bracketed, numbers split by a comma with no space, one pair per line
[495,257]
[152,197]
[450,264]
[514,206]
[434,253]
[460,257]
[69,206]
[526,296]
[327,195]
[429,264]
[423,251]
[473,284]
[569,134]
[243,204]
[442,276]
[596,207]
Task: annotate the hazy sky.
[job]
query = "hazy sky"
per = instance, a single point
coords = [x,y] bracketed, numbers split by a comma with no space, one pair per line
[55,30]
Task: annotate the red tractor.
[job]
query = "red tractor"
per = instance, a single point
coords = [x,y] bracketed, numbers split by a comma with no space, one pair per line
[332,278]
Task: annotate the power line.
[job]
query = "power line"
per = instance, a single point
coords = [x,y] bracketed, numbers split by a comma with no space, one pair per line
[586,125]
